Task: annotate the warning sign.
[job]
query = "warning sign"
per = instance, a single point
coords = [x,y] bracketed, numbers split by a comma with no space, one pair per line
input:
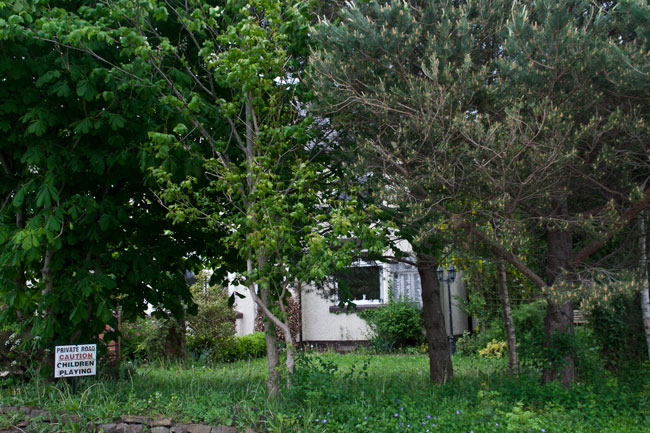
[75,360]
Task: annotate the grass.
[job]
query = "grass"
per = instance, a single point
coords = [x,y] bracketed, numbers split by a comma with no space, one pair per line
[355,393]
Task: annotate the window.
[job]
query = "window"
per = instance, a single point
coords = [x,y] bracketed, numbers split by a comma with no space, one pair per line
[359,283]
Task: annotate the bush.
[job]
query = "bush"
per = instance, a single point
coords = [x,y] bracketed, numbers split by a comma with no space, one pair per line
[618,330]
[133,341]
[529,327]
[149,338]
[211,330]
[233,349]
[395,325]
[468,344]
[494,349]
[529,324]
[251,346]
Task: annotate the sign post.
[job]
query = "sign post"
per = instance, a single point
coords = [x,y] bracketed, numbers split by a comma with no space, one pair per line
[74,361]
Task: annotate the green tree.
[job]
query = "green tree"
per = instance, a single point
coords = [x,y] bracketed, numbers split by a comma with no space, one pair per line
[567,145]
[395,76]
[231,74]
[81,235]
[538,112]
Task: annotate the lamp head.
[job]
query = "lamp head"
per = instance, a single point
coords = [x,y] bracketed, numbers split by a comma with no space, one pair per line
[452,273]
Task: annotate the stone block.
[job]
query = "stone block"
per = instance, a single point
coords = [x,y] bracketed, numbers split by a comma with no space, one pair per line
[198,428]
[161,422]
[179,428]
[129,428]
[131,419]
[42,414]
[159,429]
[70,419]
[223,429]
[106,428]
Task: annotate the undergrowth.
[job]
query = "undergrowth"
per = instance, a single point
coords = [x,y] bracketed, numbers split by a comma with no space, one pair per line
[352,393]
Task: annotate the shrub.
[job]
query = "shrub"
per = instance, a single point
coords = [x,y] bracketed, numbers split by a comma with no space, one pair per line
[618,330]
[211,330]
[133,345]
[529,324]
[395,325]
[529,327]
[149,338]
[467,345]
[251,346]
[494,349]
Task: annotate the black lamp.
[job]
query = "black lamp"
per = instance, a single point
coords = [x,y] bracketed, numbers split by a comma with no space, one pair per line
[440,273]
[451,272]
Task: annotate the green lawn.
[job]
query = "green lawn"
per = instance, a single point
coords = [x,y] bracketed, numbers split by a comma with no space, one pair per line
[357,393]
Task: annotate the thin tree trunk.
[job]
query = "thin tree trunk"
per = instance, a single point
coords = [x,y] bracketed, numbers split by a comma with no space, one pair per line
[288,340]
[440,367]
[20,280]
[272,356]
[645,290]
[506,312]
[272,360]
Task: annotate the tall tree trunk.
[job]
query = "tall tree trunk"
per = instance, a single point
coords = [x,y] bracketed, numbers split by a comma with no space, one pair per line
[558,322]
[273,360]
[272,356]
[20,280]
[645,290]
[506,313]
[440,368]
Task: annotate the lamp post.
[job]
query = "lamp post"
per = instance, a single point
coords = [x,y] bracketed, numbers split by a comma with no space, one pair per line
[451,276]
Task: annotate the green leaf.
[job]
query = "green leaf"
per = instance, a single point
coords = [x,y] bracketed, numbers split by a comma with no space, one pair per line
[60,88]
[83,126]
[37,127]
[86,90]
[47,77]
[30,241]
[19,197]
[116,121]
[43,199]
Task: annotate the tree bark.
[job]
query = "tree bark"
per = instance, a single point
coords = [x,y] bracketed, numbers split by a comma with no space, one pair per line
[440,367]
[272,356]
[558,322]
[506,313]
[272,359]
[645,290]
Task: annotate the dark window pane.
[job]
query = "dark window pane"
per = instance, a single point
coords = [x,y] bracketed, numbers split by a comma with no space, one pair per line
[354,283]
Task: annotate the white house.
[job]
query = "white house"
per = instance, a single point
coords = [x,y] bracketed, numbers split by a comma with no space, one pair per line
[325,323]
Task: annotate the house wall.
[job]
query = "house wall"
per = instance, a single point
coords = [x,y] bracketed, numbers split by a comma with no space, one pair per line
[319,324]
[246,309]
[322,321]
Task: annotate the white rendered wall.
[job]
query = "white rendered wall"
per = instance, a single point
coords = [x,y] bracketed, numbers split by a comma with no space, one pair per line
[246,324]
[318,324]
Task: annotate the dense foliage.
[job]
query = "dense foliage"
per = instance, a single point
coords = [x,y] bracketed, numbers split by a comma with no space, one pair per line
[530,117]
[394,325]
[211,330]
[81,234]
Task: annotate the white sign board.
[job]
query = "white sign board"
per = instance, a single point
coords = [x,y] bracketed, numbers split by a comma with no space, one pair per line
[76,360]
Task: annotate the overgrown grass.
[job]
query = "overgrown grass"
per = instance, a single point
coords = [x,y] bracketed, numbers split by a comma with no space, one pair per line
[355,393]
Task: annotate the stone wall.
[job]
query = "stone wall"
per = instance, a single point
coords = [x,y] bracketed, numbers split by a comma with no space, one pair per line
[25,419]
